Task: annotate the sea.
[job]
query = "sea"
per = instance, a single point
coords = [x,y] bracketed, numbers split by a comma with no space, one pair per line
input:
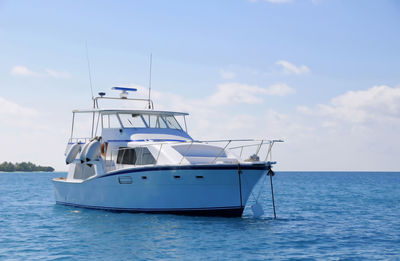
[320,216]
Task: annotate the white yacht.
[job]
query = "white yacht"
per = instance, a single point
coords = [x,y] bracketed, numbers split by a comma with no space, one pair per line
[145,161]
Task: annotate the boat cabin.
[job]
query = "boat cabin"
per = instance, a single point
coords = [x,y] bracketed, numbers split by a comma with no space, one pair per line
[125,138]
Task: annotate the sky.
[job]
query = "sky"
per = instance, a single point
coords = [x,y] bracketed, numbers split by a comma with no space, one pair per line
[323,75]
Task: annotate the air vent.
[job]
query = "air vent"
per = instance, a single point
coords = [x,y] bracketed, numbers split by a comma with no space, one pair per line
[199,177]
[144,177]
[177,177]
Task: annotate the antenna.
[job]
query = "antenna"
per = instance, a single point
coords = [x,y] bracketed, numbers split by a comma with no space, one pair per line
[151,59]
[90,76]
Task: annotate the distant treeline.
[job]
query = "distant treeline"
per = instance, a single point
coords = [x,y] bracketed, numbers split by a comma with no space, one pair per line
[23,166]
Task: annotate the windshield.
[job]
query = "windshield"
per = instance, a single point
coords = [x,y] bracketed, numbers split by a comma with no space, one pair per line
[129,120]
[132,121]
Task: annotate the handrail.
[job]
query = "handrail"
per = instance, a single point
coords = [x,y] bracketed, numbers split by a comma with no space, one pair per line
[252,145]
[151,142]
[85,139]
[157,154]
[96,100]
[184,155]
[222,151]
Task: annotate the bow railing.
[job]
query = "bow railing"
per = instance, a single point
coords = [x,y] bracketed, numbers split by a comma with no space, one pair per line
[224,151]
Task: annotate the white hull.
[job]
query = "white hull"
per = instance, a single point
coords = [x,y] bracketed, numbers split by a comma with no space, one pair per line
[196,189]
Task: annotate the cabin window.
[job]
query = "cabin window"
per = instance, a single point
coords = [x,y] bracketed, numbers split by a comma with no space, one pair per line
[111,121]
[82,126]
[132,120]
[172,122]
[126,156]
[136,120]
[155,121]
[161,121]
[135,156]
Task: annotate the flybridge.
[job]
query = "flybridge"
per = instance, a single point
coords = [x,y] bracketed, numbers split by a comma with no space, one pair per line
[126,120]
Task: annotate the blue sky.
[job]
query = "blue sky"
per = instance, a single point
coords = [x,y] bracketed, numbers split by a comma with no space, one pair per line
[323,75]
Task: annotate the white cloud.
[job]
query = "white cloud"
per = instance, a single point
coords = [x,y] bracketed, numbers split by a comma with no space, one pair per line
[56,74]
[304,109]
[233,93]
[323,137]
[329,136]
[279,89]
[290,68]
[226,94]
[227,74]
[377,104]
[9,109]
[357,130]
[30,135]
[20,70]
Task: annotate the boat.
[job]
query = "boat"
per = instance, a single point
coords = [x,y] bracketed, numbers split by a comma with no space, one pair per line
[144,160]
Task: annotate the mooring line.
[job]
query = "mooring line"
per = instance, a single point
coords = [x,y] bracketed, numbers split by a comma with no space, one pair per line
[270,174]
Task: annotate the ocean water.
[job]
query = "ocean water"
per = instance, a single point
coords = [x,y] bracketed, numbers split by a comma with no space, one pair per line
[321,216]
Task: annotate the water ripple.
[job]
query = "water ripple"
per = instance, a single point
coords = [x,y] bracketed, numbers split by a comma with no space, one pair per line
[321,216]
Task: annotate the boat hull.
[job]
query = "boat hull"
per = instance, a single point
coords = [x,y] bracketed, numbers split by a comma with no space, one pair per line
[203,190]
[224,212]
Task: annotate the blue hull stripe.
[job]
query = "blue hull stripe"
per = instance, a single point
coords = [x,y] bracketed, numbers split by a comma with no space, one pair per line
[156,140]
[213,211]
[187,167]
[146,140]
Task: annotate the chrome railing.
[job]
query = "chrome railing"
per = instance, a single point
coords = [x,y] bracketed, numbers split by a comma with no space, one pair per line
[255,150]
[79,140]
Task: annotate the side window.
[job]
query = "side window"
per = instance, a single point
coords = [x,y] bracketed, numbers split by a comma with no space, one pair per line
[126,156]
[144,157]
[135,156]
[82,125]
